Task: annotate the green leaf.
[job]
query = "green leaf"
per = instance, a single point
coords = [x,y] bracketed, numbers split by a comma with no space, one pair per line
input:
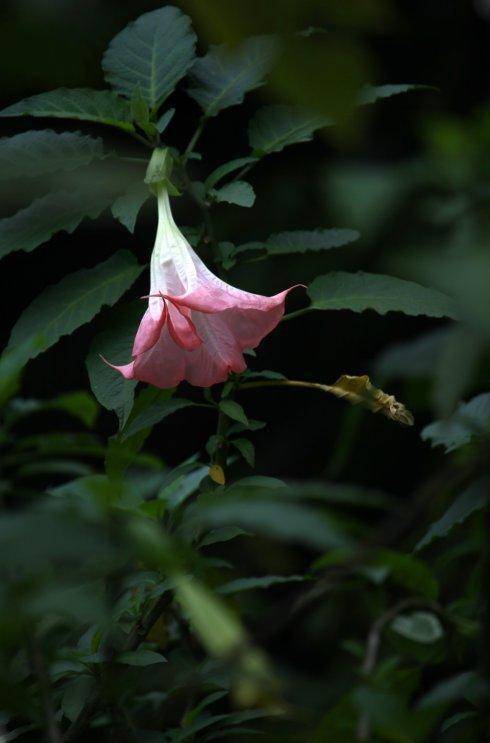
[272,517]
[60,210]
[140,657]
[76,692]
[275,127]
[360,291]
[101,106]
[12,363]
[223,76]
[79,404]
[62,308]
[450,690]
[226,169]
[240,193]
[155,413]
[301,241]
[373,93]
[233,410]
[246,449]
[420,626]
[115,344]
[33,153]
[224,534]
[165,120]
[469,420]
[152,53]
[410,572]
[265,581]
[126,207]
[219,630]
[413,358]
[472,499]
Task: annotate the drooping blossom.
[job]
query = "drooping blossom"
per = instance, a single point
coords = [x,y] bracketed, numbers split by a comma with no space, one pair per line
[196,326]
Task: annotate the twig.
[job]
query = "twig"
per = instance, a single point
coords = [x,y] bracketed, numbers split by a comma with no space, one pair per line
[373,644]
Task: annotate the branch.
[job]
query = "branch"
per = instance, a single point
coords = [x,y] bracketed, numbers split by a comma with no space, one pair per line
[373,645]
[133,641]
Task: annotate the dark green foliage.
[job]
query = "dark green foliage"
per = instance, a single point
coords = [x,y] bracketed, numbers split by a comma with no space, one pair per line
[154,596]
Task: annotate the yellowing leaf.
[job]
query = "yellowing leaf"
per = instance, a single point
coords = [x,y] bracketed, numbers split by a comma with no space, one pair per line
[360,390]
[217,475]
[355,390]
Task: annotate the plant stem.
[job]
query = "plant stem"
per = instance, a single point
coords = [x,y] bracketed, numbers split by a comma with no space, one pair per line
[193,140]
[52,730]
[133,641]
[298,313]
[373,645]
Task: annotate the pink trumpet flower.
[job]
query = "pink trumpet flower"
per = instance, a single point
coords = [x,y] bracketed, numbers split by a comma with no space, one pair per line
[196,326]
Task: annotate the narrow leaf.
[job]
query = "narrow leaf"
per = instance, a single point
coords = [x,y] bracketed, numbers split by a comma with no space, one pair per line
[233,410]
[226,169]
[246,449]
[62,308]
[152,53]
[101,106]
[301,241]
[224,76]
[165,120]
[373,93]
[472,499]
[265,581]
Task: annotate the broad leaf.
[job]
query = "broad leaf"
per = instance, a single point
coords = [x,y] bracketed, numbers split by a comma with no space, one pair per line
[62,308]
[472,499]
[373,93]
[101,106]
[33,153]
[270,516]
[153,53]
[115,344]
[153,414]
[223,76]
[240,193]
[469,420]
[275,127]
[126,207]
[420,626]
[57,211]
[364,291]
